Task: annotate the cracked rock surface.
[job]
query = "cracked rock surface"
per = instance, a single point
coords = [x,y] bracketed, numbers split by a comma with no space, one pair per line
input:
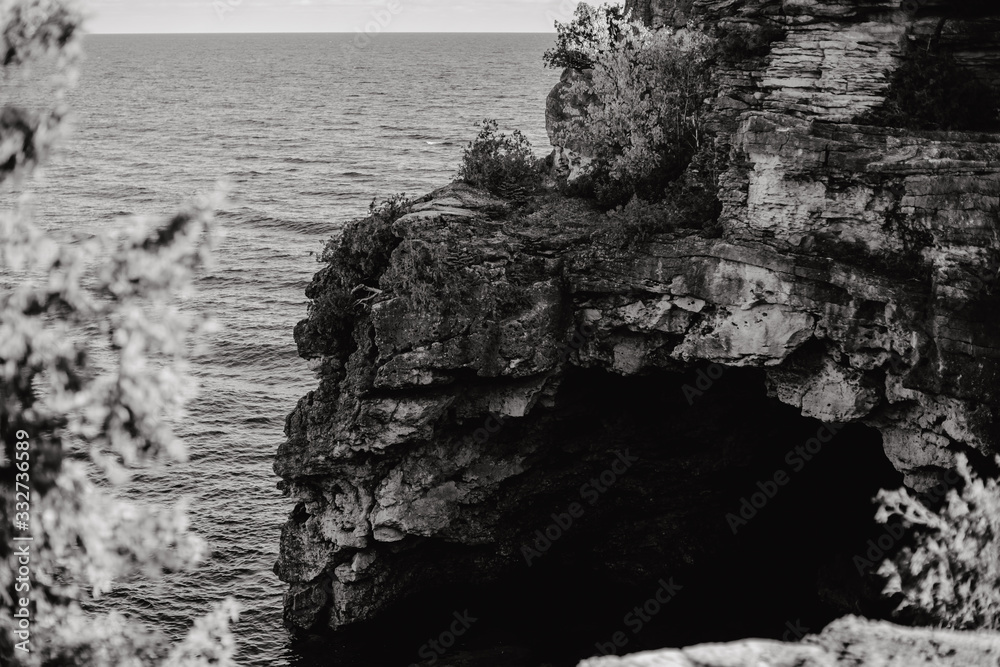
[857,275]
[849,642]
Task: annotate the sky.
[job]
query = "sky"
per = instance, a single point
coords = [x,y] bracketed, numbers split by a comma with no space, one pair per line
[168,16]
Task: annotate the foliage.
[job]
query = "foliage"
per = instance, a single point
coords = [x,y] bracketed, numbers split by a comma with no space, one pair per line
[92,372]
[424,274]
[582,42]
[499,163]
[932,91]
[690,203]
[951,575]
[634,223]
[647,118]
[350,247]
[457,291]
[391,209]
[354,261]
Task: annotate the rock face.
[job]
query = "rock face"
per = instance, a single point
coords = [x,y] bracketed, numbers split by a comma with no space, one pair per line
[486,372]
[850,642]
[571,158]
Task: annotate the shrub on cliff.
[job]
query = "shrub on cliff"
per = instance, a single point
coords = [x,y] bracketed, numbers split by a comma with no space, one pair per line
[950,576]
[690,202]
[582,42]
[354,262]
[648,117]
[361,252]
[70,426]
[500,163]
[932,91]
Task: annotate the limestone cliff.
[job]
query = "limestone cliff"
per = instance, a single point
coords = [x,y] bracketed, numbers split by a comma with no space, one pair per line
[484,368]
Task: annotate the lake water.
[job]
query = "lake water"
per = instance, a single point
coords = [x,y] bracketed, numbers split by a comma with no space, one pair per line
[308,129]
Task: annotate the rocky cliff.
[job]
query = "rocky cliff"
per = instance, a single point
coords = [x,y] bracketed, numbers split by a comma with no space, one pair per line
[516,415]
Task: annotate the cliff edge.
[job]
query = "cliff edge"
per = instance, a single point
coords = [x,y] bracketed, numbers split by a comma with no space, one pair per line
[488,370]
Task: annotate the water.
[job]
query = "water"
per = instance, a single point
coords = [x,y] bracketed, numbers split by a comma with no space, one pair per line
[308,131]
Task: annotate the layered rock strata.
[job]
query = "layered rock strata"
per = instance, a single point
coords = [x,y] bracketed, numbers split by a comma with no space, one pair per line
[459,348]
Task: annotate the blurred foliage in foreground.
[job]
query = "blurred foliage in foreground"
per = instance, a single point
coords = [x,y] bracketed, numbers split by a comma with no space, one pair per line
[950,575]
[92,361]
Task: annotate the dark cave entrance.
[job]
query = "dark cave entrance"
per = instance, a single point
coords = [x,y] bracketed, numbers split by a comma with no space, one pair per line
[658,553]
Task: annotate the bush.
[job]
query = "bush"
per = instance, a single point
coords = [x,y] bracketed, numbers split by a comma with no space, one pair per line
[683,207]
[636,222]
[358,246]
[950,577]
[499,163]
[354,261]
[423,274]
[391,209]
[932,91]
[592,32]
[647,119]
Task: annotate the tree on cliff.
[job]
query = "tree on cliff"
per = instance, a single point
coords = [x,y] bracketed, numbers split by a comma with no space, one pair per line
[582,42]
[646,120]
[92,353]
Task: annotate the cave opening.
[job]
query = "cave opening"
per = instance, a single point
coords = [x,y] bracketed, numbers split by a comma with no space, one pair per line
[666,510]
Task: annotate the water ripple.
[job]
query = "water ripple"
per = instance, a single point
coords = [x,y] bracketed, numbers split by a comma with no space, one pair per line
[158,118]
